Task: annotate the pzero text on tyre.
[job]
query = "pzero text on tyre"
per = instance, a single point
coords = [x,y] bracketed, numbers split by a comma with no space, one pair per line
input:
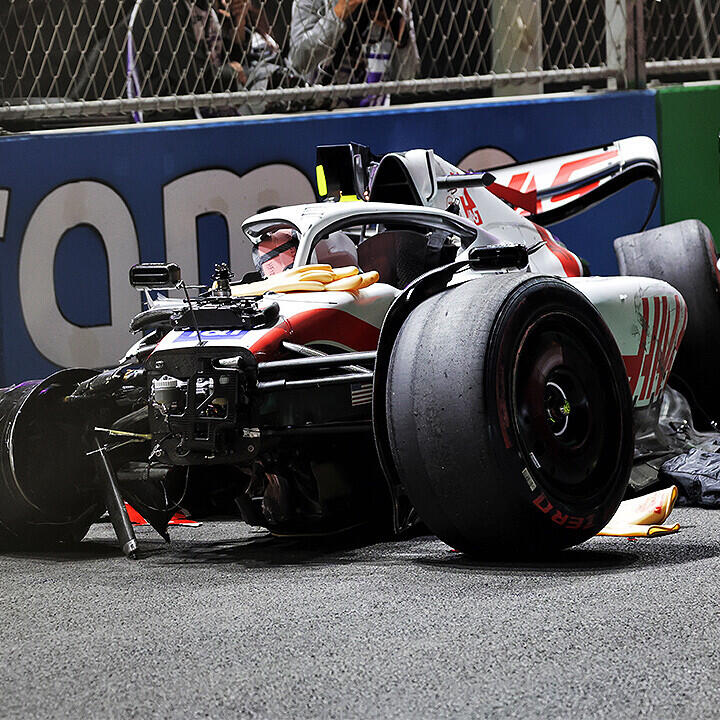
[509,415]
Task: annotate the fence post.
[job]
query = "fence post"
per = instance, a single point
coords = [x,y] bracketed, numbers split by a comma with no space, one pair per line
[625,43]
[640,47]
[517,42]
[702,25]
[616,36]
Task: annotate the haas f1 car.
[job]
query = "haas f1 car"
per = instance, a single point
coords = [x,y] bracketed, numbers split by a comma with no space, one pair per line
[422,349]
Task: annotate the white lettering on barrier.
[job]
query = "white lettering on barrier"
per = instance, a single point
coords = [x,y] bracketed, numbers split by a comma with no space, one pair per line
[235,198]
[92,203]
[4,202]
[60,341]
[485,158]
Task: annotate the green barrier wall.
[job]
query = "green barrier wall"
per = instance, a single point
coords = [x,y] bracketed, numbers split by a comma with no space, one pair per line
[688,126]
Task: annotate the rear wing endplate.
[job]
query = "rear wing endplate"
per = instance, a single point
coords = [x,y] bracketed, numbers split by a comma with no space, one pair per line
[567,185]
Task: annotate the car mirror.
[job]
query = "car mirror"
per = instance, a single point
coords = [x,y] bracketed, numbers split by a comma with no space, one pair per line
[155,276]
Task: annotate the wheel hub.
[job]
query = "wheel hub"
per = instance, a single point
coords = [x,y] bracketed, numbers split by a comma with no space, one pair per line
[557,408]
[563,409]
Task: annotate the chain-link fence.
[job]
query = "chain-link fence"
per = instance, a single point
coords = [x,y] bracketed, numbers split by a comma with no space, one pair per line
[682,39]
[160,58]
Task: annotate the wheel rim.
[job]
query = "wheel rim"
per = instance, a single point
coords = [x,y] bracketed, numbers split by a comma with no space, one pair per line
[565,406]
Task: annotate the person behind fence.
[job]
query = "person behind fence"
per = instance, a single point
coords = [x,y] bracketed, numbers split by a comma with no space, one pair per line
[246,32]
[204,46]
[245,42]
[174,47]
[335,42]
[208,34]
[249,45]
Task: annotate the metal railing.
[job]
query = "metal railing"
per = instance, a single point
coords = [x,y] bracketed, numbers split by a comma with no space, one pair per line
[683,39]
[160,58]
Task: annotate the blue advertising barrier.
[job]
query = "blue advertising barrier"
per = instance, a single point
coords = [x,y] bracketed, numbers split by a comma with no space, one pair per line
[77,208]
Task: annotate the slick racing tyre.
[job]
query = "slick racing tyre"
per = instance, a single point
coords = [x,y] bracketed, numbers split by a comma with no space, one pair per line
[47,491]
[509,416]
[683,254]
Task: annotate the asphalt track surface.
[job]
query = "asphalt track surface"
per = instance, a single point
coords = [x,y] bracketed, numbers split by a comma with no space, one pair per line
[225,622]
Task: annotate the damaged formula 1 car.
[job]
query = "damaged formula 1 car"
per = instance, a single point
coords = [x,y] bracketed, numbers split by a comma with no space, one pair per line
[428,352]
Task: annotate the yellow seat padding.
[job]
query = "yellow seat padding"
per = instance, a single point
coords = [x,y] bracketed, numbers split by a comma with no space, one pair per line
[309,278]
[349,283]
[354,282]
[344,272]
[304,269]
[321,276]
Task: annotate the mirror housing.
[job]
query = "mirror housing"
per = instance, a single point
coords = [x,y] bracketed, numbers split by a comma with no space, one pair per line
[342,170]
[155,276]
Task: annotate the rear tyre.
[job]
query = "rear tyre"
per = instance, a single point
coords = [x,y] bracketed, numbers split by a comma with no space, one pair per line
[683,254]
[509,416]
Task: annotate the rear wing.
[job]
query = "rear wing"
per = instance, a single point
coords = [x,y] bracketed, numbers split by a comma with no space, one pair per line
[567,185]
[545,191]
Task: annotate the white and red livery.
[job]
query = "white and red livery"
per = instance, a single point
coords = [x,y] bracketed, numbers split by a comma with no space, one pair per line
[476,377]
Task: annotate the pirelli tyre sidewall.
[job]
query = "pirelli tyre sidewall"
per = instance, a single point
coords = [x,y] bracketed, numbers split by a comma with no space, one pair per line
[473,415]
[574,503]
